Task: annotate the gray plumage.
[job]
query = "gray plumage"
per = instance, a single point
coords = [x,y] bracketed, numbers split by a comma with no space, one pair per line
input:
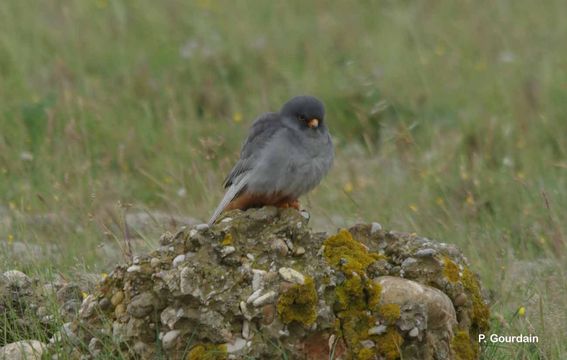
[282,154]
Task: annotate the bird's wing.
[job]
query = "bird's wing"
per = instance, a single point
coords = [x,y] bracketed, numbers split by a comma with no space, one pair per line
[262,130]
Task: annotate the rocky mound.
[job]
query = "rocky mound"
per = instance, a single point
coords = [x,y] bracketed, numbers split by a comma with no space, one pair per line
[260,284]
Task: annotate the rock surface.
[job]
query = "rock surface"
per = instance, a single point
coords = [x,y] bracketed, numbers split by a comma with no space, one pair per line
[259,284]
[241,289]
[23,350]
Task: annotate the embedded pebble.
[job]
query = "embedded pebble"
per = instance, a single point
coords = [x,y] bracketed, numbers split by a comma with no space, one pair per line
[377,330]
[235,346]
[375,227]
[246,329]
[134,268]
[225,220]
[264,299]
[255,295]
[192,233]
[408,262]
[169,338]
[291,275]
[18,278]
[289,244]
[117,298]
[258,279]
[178,260]
[250,257]
[154,262]
[414,332]
[244,310]
[368,344]
[202,227]
[166,238]
[460,300]
[299,251]
[227,250]
[305,214]
[280,247]
[426,252]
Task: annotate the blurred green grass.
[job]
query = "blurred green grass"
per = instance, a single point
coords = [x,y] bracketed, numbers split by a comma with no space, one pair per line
[449,119]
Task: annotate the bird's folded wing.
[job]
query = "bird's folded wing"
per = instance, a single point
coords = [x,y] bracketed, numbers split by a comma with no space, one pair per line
[262,130]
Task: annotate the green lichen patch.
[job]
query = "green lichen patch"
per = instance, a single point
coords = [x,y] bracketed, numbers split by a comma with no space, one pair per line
[299,303]
[390,312]
[389,344]
[463,347]
[208,352]
[450,270]
[347,254]
[480,311]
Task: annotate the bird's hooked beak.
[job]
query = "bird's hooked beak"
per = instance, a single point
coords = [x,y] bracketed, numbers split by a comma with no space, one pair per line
[313,123]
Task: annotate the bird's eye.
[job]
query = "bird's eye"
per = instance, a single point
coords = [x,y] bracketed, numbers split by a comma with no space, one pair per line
[301,117]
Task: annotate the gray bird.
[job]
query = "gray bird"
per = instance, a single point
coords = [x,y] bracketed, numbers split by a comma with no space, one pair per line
[285,155]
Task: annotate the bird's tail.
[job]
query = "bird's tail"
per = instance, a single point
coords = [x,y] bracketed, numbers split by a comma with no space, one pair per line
[230,194]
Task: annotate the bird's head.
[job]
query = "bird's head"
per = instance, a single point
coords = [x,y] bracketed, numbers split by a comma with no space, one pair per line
[304,111]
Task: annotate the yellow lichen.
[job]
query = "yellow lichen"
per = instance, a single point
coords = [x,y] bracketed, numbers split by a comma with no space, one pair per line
[367,354]
[389,344]
[390,312]
[450,270]
[350,294]
[357,296]
[207,352]
[480,311]
[354,327]
[227,240]
[462,346]
[373,290]
[347,254]
[299,303]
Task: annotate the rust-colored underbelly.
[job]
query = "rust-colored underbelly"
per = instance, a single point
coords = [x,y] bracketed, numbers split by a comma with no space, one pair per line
[248,200]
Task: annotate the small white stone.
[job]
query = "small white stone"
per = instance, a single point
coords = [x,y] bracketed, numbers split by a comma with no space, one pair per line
[235,346]
[227,250]
[426,252]
[225,220]
[192,233]
[305,214]
[202,227]
[368,344]
[414,332]
[256,294]
[267,298]
[246,329]
[169,338]
[375,228]
[178,260]
[250,257]
[134,268]
[291,275]
[244,310]
[377,330]
[258,279]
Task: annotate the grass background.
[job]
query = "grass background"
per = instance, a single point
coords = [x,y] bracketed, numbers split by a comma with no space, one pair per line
[449,119]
